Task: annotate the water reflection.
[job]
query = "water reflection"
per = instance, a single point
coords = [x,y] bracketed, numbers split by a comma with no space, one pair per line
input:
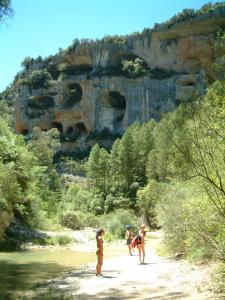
[25,270]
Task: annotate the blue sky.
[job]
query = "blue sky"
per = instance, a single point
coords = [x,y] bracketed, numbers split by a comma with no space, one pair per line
[41,27]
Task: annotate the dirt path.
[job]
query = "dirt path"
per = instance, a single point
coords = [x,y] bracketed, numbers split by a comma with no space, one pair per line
[125,278]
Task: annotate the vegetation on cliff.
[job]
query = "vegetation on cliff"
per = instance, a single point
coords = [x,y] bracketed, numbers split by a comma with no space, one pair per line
[170,172]
[37,72]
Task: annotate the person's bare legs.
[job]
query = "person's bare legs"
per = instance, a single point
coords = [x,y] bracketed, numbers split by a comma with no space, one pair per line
[97,269]
[139,251]
[99,265]
[130,250]
[143,252]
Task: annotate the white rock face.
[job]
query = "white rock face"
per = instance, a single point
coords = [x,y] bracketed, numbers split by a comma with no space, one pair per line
[93,99]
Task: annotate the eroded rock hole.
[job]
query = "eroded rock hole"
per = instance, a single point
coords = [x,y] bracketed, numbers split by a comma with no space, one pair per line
[188,83]
[81,129]
[116,100]
[73,94]
[41,102]
[69,130]
[25,131]
[58,126]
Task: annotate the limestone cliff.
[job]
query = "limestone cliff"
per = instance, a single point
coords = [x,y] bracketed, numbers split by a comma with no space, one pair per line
[84,90]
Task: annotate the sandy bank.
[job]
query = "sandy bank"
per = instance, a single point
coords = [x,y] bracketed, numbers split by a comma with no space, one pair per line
[125,278]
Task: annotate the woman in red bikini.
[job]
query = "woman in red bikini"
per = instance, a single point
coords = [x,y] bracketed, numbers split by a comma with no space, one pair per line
[141,243]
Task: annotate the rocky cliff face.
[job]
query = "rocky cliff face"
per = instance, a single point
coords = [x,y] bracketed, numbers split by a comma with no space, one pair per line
[83,91]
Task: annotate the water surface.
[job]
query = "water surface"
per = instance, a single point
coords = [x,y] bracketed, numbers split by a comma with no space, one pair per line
[25,270]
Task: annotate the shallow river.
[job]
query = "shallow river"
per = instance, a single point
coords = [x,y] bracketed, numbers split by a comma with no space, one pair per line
[25,270]
[22,270]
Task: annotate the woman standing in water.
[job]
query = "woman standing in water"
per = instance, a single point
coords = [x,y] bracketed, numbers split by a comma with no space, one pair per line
[141,243]
[99,252]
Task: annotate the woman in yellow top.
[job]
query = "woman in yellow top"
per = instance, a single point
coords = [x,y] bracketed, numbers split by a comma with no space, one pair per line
[141,243]
[99,252]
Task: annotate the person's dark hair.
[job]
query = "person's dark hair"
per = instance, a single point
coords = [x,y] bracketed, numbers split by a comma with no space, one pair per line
[99,232]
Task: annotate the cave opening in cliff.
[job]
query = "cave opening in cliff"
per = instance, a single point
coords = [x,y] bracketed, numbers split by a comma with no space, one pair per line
[58,126]
[73,94]
[190,83]
[81,129]
[69,130]
[45,102]
[25,131]
[41,102]
[187,83]
[116,100]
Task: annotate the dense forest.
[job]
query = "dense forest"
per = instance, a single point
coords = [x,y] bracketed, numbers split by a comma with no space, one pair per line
[171,173]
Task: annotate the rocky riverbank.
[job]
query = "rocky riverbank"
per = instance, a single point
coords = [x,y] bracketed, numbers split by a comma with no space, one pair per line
[125,278]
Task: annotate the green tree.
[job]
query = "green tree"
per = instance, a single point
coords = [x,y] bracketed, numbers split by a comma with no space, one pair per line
[148,197]
[44,145]
[98,168]
[5,8]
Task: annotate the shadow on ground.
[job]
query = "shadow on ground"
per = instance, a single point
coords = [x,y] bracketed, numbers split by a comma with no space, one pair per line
[145,294]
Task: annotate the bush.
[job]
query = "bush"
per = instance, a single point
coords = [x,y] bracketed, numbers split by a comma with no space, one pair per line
[77,220]
[190,222]
[219,278]
[9,245]
[60,240]
[40,79]
[115,223]
[71,220]
[116,39]
[135,68]
[37,79]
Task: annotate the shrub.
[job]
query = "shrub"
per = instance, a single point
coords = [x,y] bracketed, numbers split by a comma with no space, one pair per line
[77,220]
[116,40]
[27,62]
[37,79]
[9,245]
[134,68]
[219,278]
[190,222]
[53,70]
[115,223]
[61,240]
[71,220]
